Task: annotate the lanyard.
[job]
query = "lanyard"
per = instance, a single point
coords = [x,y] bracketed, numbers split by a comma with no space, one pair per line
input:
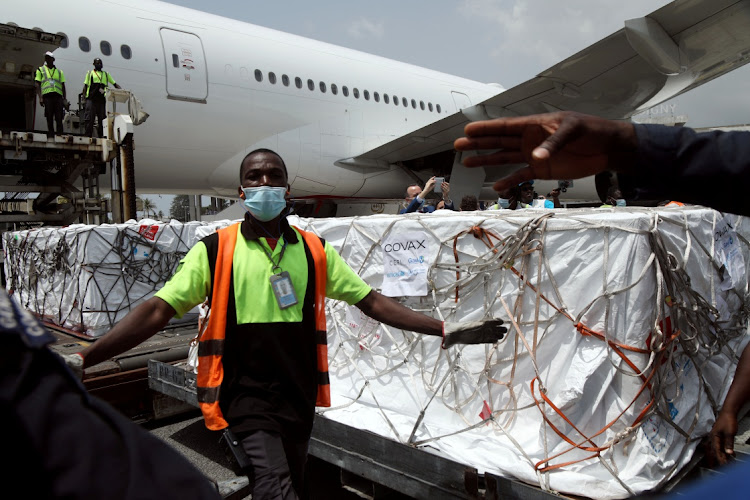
[276,265]
[50,75]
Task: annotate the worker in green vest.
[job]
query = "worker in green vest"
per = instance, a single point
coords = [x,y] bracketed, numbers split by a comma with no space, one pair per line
[50,88]
[263,362]
[94,86]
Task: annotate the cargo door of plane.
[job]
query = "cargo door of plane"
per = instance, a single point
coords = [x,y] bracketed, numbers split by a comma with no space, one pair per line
[187,78]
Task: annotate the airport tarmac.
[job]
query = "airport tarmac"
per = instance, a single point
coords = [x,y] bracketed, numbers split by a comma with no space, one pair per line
[204,449]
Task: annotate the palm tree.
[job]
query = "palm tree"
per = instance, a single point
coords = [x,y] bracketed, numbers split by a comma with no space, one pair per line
[148,207]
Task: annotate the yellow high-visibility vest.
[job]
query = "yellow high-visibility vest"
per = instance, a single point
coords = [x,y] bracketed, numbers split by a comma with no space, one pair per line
[52,81]
[93,77]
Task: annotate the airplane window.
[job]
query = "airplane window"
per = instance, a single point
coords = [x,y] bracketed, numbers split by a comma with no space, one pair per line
[429,106]
[334,89]
[322,87]
[345,91]
[310,84]
[437,106]
[285,80]
[376,96]
[355,93]
[64,41]
[84,44]
[105,47]
[298,82]
[414,104]
[272,77]
[175,61]
[421,105]
[405,102]
[367,95]
[385,99]
[243,73]
[395,100]
[258,75]
[125,52]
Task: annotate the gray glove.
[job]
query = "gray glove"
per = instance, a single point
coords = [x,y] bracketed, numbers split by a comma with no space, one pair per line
[75,363]
[473,332]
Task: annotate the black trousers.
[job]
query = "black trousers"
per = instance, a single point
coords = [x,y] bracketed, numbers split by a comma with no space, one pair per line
[95,108]
[53,112]
[278,466]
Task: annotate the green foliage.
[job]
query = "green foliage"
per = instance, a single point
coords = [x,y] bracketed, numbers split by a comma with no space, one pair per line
[180,208]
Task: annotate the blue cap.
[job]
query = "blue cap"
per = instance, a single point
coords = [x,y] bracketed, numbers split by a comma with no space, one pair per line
[526,182]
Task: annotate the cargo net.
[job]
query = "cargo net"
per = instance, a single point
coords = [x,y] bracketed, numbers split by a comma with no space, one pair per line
[86,278]
[624,329]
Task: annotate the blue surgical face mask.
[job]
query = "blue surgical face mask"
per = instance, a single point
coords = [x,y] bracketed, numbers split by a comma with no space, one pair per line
[503,202]
[265,202]
[620,202]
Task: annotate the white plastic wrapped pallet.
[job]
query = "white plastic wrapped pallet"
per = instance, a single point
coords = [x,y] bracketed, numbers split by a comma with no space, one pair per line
[624,329]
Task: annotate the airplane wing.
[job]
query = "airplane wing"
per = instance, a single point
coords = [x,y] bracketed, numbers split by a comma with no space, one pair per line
[654,58]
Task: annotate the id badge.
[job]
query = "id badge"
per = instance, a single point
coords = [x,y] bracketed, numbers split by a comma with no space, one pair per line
[283,290]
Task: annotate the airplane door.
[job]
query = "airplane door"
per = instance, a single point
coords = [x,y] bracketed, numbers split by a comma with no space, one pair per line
[461,101]
[187,78]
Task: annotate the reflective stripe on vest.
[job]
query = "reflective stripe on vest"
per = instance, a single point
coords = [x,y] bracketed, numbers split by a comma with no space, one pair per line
[211,347]
[51,82]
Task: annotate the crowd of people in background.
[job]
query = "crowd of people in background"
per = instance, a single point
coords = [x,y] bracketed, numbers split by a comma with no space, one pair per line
[517,197]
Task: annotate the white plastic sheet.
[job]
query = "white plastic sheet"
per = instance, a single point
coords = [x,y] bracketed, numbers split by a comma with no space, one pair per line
[635,276]
[618,316]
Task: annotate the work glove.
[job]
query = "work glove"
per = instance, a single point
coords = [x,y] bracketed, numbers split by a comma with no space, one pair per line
[75,363]
[473,332]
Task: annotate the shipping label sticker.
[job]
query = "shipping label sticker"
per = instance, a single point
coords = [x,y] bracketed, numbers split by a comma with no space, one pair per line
[148,232]
[406,262]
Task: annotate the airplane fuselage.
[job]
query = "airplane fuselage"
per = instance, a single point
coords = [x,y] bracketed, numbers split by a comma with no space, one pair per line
[216,88]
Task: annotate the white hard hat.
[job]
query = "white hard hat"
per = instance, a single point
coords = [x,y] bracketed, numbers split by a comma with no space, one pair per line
[50,54]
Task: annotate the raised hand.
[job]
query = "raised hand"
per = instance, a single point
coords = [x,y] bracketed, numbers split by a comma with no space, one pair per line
[562,145]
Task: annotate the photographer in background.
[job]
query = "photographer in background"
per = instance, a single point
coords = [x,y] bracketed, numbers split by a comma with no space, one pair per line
[415,196]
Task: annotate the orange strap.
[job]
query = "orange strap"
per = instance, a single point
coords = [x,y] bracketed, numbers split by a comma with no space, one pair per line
[543,466]
[210,367]
[320,261]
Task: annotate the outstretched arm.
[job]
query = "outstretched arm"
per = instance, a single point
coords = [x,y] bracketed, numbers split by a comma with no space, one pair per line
[563,145]
[390,312]
[140,324]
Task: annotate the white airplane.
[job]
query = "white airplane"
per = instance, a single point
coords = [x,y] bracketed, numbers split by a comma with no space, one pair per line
[350,124]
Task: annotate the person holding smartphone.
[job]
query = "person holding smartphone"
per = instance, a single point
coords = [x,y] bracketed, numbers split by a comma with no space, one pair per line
[415,196]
